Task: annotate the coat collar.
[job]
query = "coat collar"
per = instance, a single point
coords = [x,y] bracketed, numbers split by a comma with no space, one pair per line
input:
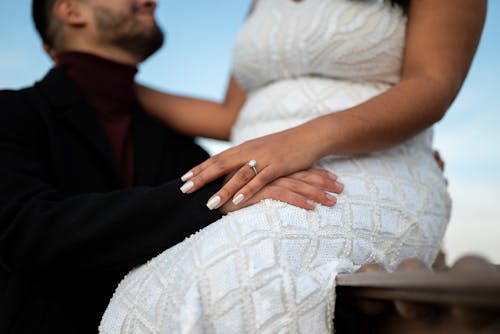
[68,103]
[60,91]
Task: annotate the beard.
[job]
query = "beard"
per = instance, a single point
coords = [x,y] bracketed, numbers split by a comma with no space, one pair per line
[126,32]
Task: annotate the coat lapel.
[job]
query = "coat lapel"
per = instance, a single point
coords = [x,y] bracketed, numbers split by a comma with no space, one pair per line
[70,105]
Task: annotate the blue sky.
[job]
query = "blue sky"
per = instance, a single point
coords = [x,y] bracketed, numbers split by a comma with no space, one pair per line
[196,60]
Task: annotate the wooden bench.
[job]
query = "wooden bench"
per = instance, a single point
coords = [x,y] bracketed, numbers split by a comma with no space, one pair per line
[415,299]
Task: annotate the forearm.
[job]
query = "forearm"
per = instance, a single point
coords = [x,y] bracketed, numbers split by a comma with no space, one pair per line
[441,40]
[57,235]
[381,122]
[192,116]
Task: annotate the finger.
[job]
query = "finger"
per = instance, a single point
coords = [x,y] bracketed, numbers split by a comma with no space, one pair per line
[284,195]
[209,171]
[264,177]
[205,164]
[319,178]
[306,174]
[236,182]
[306,190]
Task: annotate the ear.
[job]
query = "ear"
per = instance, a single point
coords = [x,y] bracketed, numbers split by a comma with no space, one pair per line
[71,12]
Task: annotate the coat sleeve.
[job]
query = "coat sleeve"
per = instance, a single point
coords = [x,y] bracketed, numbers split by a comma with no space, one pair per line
[42,230]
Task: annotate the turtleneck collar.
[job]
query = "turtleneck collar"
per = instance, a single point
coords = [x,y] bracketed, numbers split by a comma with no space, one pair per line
[109,89]
[105,83]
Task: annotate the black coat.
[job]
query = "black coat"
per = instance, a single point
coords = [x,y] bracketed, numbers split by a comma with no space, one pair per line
[69,228]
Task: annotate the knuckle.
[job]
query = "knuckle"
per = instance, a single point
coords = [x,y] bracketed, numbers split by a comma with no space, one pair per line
[199,180]
[195,170]
[274,192]
[286,183]
[300,201]
[319,172]
[289,198]
[317,196]
[223,193]
[329,185]
[219,163]
[318,179]
[213,160]
[300,175]
[244,175]
[279,194]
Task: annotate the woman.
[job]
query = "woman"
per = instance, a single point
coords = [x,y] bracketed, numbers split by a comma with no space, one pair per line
[350,86]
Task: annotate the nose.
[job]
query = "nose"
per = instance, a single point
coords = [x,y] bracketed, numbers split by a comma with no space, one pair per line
[149,5]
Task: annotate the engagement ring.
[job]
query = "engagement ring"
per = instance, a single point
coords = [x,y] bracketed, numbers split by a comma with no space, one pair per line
[252,164]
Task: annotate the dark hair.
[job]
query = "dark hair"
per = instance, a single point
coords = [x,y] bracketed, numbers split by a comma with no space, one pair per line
[40,16]
[47,27]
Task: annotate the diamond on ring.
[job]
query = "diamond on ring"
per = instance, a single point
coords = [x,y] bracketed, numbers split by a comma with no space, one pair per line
[252,164]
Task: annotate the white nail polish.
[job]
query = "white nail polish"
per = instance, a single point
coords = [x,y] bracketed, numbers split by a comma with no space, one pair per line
[186,176]
[187,186]
[331,197]
[237,200]
[213,202]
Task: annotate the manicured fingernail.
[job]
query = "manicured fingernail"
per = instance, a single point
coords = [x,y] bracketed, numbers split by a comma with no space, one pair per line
[187,186]
[340,185]
[213,202]
[186,176]
[332,176]
[237,200]
[331,197]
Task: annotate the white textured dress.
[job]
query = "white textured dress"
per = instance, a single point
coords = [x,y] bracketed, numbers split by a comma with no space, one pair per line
[271,267]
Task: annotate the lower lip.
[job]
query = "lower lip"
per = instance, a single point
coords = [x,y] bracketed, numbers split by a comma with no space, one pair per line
[145,15]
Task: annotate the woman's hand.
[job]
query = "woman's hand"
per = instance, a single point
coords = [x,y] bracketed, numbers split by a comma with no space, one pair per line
[304,189]
[276,155]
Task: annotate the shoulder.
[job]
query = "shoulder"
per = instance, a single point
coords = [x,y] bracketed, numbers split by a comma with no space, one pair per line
[52,91]
[10,97]
[18,110]
[14,101]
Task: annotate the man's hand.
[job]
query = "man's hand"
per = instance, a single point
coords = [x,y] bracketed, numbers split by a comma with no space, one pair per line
[304,189]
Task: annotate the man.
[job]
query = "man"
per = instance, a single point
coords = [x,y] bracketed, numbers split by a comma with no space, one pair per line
[89,184]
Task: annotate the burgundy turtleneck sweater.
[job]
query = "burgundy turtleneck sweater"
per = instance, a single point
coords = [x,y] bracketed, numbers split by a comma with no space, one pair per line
[109,89]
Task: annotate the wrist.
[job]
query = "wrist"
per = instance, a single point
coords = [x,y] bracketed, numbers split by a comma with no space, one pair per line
[317,138]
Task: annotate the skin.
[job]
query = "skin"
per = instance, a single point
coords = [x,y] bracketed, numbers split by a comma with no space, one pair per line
[441,40]
[82,32]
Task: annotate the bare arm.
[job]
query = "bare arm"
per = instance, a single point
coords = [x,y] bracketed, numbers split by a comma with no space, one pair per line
[194,117]
[441,40]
